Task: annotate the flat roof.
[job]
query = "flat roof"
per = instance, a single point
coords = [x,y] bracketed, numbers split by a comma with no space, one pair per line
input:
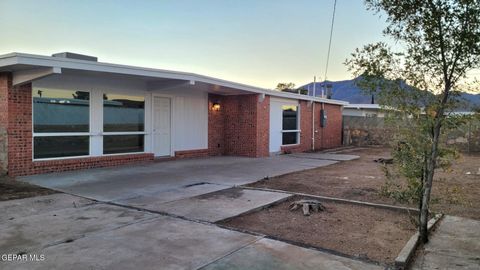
[22,61]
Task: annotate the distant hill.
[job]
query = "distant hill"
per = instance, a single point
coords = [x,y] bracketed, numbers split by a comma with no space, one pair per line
[347,91]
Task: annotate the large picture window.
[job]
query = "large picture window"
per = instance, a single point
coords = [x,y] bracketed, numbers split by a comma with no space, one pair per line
[290,130]
[123,123]
[61,123]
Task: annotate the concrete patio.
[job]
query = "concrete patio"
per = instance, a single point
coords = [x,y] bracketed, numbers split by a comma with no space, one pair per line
[172,180]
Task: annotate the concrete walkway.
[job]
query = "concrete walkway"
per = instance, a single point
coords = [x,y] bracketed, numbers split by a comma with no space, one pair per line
[455,244]
[74,233]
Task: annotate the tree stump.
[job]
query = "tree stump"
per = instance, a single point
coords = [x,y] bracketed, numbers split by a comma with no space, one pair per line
[384,160]
[307,205]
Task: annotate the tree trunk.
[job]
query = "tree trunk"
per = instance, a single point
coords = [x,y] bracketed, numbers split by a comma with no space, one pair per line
[429,172]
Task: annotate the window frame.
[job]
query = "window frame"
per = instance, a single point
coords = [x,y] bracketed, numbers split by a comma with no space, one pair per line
[95,120]
[297,131]
[114,133]
[63,134]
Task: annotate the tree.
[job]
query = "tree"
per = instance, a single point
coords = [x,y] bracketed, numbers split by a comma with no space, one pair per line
[290,87]
[438,43]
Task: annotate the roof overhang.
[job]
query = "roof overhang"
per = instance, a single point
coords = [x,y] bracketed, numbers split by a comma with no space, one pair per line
[363,106]
[29,67]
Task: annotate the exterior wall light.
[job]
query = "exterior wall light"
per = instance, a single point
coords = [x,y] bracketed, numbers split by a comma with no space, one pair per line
[216,106]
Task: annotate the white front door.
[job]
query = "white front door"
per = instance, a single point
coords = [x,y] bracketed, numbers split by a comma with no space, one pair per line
[275,126]
[162,126]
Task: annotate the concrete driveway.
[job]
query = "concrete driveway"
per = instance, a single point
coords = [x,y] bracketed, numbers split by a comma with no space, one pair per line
[157,216]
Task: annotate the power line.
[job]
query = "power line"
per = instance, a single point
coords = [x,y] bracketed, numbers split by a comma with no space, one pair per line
[330,40]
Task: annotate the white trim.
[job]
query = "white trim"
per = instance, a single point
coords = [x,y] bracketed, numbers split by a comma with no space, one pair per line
[68,63]
[287,145]
[60,158]
[102,134]
[96,124]
[298,130]
[95,134]
[119,133]
[61,134]
[64,134]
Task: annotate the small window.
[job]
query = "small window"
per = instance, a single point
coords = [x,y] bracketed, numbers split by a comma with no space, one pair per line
[290,130]
[115,144]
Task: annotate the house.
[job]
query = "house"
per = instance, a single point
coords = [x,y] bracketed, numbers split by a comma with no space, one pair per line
[363,110]
[69,111]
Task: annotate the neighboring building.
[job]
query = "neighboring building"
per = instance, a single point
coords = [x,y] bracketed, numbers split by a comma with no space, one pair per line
[363,110]
[69,112]
[360,103]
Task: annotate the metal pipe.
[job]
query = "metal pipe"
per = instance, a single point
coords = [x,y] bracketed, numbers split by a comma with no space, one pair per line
[313,114]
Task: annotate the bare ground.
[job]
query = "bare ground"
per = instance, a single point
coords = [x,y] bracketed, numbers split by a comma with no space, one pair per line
[360,231]
[455,192]
[11,190]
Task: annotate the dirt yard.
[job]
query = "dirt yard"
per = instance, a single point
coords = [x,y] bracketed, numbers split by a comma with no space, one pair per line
[11,189]
[360,231]
[456,192]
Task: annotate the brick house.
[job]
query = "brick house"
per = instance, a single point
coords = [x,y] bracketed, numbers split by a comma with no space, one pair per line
[69,111]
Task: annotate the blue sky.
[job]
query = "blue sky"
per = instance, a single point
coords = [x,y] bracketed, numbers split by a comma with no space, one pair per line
[257,42]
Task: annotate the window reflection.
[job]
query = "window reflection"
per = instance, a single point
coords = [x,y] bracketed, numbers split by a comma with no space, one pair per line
[114,144]
[60,110]
[60,146]
[123,113]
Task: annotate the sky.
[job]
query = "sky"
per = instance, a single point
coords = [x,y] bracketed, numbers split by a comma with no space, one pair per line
[255,42]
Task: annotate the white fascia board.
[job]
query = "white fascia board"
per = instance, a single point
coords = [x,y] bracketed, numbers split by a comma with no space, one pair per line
[48,61]
[8,60]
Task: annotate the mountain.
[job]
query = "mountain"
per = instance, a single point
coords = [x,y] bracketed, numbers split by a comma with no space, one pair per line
[347,91]
[341,90]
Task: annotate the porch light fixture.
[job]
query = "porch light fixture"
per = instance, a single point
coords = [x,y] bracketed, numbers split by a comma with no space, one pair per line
[216,106]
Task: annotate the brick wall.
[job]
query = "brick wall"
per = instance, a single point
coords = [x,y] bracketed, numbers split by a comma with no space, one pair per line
[20,130]
[192,153]
[240,127]
[327,137]
[263,127]
[216,127]
[5,82]
[331,135]
[85,163]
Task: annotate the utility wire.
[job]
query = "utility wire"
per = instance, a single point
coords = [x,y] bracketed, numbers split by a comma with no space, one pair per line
[330,40]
